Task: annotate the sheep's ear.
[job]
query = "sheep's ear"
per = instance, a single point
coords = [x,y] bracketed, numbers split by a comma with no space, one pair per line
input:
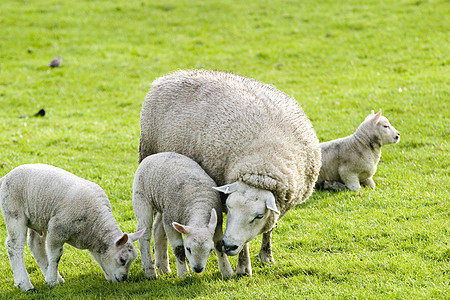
[377,117]
[270,203]
[212,221]
[137,235]
[227,189]
[180,228]
[122,240]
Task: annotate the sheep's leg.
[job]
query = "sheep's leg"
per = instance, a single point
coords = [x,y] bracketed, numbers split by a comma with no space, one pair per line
[334,186]
[350,179]
[15,244]
[36,243]
[160,247]
[144,215]
[176,242]
[369,182]
[244,266]
[54,247]
[224,264]
[265,253]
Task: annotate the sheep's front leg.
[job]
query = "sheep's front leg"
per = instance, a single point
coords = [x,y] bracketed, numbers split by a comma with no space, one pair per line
[224,264]
[36,243]
[265,253]
[15,244]
[176,242]
[160,247]
[244,266]
[350,179]
[369,182]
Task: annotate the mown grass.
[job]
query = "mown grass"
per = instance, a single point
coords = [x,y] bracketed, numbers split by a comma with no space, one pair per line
[339,59]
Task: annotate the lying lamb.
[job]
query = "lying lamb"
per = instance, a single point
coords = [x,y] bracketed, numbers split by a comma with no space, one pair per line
[349,161]
[59,207]
[248,136]
[180,192]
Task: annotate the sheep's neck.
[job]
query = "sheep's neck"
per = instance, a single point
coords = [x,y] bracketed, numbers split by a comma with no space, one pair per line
[363,138]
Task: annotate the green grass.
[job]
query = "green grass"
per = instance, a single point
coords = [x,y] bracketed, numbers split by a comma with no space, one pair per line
[339,59]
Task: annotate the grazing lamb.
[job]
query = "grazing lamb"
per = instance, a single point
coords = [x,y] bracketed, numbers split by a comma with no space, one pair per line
[178,190]
[59,207]
[349,161]
[248,136]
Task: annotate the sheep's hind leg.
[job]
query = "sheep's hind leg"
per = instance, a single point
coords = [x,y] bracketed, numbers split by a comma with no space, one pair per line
[244,266]
[15,244]
[265,253]
[160,247]
[334,186]
[36,243]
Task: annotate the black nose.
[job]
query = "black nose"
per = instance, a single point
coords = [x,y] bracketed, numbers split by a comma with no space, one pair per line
[229,248]
[197,269]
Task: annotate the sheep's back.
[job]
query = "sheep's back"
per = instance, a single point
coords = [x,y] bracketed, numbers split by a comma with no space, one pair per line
[219,119]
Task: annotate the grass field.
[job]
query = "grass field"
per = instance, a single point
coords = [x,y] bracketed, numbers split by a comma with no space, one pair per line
[339,59]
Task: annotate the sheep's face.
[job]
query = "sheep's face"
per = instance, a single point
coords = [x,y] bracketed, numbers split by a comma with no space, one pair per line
[249,211]
[116,261]
[198,242]
[388,134]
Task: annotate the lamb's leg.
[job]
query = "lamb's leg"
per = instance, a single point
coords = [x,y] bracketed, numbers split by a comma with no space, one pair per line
[176,242]
[369,182]
[144,215]
[244,266]
[224,264]
[54,248]
[15,244]
[36,243]
[265,253]
[334,186]
[160,247]
[350,179]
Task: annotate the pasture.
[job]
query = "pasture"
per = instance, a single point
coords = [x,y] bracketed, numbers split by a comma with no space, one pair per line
[338,59]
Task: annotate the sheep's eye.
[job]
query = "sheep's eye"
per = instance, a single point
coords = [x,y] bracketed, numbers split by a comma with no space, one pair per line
[258,217]
[386,126]
[188,250]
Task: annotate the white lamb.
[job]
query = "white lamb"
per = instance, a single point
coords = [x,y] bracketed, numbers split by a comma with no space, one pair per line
[59,207]
[180,192]
[248,136]
[349,161]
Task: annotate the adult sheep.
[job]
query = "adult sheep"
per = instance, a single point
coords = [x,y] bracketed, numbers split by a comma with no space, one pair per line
[248,136]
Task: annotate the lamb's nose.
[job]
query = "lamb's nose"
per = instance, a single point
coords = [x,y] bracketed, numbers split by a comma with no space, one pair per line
[197,269]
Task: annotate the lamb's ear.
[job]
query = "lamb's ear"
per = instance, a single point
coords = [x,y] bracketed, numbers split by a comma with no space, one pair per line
[180,228]
[377,117]
[122,240]
[270,203]
[227,189]
[137,235]
[212,221]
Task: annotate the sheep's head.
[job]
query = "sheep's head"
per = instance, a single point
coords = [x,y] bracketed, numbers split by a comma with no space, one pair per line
[249,211]
[198,242]
[116,260]
[382,129]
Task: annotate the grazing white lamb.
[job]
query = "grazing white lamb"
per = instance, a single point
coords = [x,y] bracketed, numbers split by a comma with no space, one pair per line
[58,207]
[248,136]
[349,161]
[180,192]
